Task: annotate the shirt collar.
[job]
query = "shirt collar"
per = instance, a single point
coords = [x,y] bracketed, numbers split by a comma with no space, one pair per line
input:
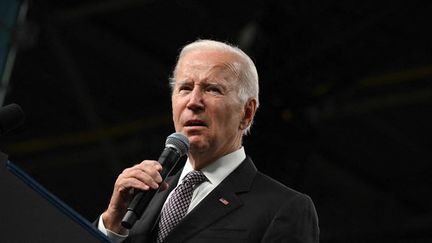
[217,171]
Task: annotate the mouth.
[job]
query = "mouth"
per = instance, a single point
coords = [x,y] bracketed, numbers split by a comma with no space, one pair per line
[195,123]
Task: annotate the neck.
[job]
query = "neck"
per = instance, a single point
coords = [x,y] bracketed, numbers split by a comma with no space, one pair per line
[199,160]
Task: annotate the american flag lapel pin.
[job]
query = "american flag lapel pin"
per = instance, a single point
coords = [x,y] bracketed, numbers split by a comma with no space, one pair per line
[224,201]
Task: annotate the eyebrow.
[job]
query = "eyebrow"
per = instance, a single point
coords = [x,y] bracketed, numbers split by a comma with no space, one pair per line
[186,81]
[204,83]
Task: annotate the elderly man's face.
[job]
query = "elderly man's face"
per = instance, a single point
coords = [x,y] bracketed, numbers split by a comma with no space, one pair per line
[205,103]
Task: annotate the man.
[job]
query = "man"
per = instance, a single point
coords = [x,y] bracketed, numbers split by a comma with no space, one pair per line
[214,100]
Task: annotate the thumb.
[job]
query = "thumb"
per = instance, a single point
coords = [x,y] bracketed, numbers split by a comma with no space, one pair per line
[163,186]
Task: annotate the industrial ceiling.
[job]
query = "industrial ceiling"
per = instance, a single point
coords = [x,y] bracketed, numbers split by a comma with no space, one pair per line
[345,90]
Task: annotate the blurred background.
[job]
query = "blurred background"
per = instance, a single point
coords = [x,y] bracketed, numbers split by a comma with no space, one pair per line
[345,112]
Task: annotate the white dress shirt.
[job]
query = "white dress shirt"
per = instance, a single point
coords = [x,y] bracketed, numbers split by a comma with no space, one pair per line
[216,172]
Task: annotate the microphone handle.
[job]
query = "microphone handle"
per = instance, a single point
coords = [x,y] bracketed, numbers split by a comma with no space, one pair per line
[168,159]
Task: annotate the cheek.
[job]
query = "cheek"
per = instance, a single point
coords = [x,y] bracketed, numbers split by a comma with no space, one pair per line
[176,107]
[175,114]
[229,117]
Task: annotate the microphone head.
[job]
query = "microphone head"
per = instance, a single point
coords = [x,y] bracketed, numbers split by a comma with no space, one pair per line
[11,117]
[179,142]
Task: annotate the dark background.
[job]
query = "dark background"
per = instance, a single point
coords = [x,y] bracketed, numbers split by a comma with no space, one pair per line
[345,100]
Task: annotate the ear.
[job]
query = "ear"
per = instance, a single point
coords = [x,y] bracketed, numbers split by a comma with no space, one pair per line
[249,113]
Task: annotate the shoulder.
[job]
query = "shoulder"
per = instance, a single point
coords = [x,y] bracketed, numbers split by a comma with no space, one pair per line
[286,203]
[269,181]
[265,185]
[291,215]
[259,187]
[274,189]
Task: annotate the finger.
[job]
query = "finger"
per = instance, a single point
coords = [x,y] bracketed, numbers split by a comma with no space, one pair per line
[126,184]
[154,174]
[149,177]
[164,186]
[153,164]
[146,164]
[152,168]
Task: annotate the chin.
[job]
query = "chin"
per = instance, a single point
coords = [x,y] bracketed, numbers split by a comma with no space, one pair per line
[198,145]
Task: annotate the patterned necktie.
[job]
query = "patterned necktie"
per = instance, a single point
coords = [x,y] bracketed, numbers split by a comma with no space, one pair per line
[178,204]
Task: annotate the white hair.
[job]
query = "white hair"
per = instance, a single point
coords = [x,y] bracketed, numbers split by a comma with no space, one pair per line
[248,75]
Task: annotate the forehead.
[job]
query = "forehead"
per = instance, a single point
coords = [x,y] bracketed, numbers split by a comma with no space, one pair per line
[204,64]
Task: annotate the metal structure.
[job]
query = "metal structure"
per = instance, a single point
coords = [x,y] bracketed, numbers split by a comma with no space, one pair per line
[345,90]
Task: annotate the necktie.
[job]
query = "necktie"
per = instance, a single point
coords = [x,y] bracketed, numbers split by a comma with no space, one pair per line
[176,207]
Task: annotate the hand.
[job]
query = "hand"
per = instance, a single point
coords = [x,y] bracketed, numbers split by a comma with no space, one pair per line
[143,176]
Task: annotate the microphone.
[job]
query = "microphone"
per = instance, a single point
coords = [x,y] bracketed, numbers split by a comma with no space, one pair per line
[11,117]
[176,146]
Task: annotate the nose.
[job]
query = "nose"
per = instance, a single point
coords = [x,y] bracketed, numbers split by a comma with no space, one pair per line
[196,102]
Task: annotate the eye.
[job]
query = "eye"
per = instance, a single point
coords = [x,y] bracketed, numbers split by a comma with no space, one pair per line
[214,89]
[184,88]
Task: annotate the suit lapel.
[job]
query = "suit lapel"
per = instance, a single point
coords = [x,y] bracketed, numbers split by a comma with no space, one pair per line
[219,203]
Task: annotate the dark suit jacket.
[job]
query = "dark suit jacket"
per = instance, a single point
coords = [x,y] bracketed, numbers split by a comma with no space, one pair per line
[247,206]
